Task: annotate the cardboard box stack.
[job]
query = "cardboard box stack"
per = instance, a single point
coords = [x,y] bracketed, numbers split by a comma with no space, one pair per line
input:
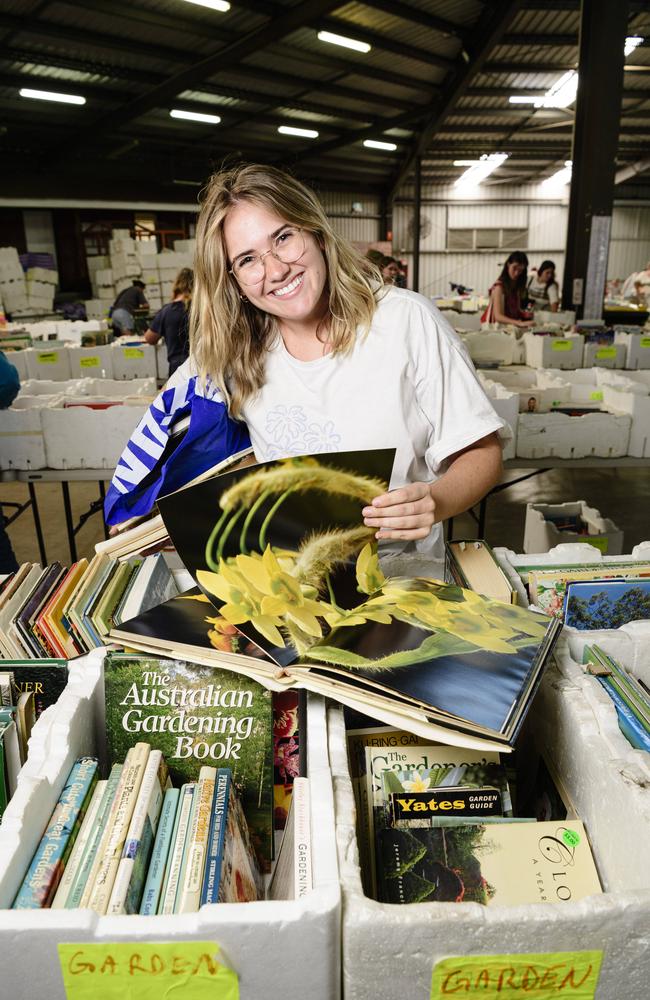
[13,293]
[40,286]
[129,259]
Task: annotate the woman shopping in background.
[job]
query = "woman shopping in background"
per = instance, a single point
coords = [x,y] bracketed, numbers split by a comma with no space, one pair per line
[543,290]
[292,329]
[172,321]
[508,294]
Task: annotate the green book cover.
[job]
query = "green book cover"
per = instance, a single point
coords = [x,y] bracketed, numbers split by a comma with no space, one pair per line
[45,677]
[197,715]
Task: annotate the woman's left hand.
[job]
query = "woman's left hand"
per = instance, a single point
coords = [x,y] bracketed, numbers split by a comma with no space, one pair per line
[407,513]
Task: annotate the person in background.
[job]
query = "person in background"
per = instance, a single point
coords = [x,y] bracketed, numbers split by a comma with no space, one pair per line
[390,270]
[9,389]
[543,289]
[172,321]
[637,286]
[125,305]
[508,294]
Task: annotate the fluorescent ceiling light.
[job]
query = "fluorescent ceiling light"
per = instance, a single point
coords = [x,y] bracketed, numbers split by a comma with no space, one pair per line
[465,163]
[195,116]
[178,180]
[303,133]
[49,95]
[631,43]
[560,95]
[220,5]
[376,144]
[347,43]
[560,178]
[480,169]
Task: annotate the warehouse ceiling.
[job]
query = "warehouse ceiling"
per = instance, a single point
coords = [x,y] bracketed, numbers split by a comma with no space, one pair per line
[435,82]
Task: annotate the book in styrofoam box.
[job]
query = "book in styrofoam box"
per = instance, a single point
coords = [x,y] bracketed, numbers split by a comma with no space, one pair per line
[559,435]
[83,437]
[251,936]
[604,355]
[638,407]
[546,351]
[96,361]
[52,362]
[136,359]
[541,532]
[561,318]
[637,347]
[490,346]
[22,445]
[43,274]
[506,404]
[610,795]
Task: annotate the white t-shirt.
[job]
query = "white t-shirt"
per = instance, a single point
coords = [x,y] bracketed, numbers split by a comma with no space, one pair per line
[407,384]
[542,295]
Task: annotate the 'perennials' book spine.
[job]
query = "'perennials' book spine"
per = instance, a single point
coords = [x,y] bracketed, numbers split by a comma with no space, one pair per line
[189,891]
[172,878]
[84,875]
[49,861]
[160,854]
[80,845]
[216,836]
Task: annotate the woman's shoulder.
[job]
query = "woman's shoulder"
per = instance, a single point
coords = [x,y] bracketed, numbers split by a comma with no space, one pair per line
[402,302]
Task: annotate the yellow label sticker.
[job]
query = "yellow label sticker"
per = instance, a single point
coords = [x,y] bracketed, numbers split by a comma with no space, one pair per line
[644,342]
[132,352]
[146,971]
[92,362]
[598,541]
[48,358]
[561,345]
[510,977]
[596,396]
[606,352]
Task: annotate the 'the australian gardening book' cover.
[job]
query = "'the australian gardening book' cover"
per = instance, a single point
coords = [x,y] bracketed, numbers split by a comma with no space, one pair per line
[282,552]
[196,715]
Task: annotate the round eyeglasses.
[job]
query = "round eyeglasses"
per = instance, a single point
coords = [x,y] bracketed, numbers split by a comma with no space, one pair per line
[288,247]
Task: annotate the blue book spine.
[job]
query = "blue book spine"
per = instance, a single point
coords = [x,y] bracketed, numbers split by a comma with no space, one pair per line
[160,853]
[216,837]
[628,723]
[79,883]
[49,861]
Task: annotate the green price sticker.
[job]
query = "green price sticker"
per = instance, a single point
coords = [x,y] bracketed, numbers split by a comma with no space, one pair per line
[596,396]
[132,352]
[562,345]
[48,358]
[598,541]
[606,352]
[644,342]
[113,971]
[570,838]
[509,977]
[93,362]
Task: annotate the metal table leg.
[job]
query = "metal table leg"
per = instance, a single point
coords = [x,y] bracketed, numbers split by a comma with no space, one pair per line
[37,523]
[65,489]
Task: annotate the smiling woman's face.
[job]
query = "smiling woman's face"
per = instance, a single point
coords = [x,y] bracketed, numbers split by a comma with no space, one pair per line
[293,292]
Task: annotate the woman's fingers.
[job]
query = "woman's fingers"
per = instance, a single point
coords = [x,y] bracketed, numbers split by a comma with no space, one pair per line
[405,513]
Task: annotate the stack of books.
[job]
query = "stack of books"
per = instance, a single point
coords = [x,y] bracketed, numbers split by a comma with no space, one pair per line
[631,697]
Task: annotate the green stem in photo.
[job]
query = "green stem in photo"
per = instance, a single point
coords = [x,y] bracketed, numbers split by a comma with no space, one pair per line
[226,532]
[330,591]
[211,564]
[269,518]
[249,517]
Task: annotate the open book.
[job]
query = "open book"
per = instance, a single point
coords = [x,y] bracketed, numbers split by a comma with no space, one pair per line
[297,597]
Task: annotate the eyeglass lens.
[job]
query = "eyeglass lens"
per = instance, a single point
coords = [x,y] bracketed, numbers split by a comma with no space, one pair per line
[288,247]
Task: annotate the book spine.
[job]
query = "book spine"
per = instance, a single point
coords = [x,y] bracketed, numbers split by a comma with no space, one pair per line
[47,865]
[190,889]
[628,723]
[160,854]
[216,837]
[302,865]
[84,876]
[80,844]
[168,899]
[110,849]
[131,871]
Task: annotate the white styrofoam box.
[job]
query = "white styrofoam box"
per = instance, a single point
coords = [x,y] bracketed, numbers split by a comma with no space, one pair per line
[150,276]
[554,352]
[133,360]
[514,377]
[112,387]
[122,284]
[604,355]
[637,348]
[462,321]
[506,404]
[614,803]
[185,246]
[490,346]
[107,293]
[96,361]
[21,437]
[605,435]
[167,274]
[78,437]
[46,387]
[155,302]
[563,317]
[167,289]
[540,534]
[96,308]
[153,292]
[638,407]
[97,262]
[19,360]
[162,365]
[104,276]
[251,936]
[170,259]
[43,274]
[50,363]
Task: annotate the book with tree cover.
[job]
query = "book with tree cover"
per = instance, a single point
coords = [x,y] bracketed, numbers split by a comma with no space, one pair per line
[602,604]
[547,587]
[282,552]
[196,714]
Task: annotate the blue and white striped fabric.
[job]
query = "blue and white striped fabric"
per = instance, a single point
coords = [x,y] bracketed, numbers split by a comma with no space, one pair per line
[212,436]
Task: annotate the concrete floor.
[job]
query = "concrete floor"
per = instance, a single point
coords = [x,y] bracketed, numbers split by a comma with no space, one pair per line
[623,495]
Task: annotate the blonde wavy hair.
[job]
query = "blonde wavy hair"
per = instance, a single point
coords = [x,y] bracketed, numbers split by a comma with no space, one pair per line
[229,336]
[183,284]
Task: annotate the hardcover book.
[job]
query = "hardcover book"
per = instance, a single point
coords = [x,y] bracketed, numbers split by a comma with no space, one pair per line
[606,603]
[281,551]
[547,587]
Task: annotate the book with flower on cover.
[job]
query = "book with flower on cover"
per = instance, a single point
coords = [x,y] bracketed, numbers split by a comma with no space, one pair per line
[282,552]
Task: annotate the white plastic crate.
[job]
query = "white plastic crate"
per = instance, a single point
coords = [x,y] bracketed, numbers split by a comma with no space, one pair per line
[94,361]
[489,346]
[133,360]
[391,950]
[51,362]
[78,437]
[637,348]
[554,352]
[22,445]
[258,939]
[604,355]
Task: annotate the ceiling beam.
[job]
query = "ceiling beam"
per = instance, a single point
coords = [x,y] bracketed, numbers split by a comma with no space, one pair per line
[407,13]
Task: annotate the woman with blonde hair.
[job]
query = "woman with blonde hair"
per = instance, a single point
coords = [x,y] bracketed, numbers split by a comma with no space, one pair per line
[172,321]
[293,330]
